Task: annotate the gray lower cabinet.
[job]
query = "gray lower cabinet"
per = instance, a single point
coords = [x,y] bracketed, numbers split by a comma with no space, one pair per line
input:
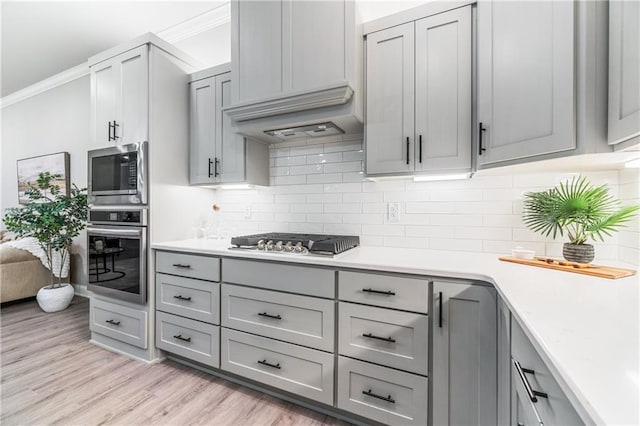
[463,375]
[188,265]
[529,374]
[191,339]
[303,320]
[382,394]
[305,372]
[196,299]
[624,70]
[118,322]
[392,338]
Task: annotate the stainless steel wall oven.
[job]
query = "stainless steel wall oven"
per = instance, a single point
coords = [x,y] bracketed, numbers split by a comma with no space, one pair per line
[117,175]
[117,253]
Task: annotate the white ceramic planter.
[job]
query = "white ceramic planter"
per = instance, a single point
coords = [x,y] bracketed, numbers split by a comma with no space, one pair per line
[55,299]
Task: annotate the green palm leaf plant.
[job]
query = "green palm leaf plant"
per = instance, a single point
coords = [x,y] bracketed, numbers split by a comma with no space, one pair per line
[579,209]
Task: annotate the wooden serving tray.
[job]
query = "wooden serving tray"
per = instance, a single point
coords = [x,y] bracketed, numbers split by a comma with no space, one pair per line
[577,268]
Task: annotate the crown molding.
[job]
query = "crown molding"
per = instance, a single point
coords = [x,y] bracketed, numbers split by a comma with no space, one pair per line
[47,84]
[198,24]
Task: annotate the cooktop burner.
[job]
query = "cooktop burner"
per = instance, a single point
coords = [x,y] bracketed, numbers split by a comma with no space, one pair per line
[296,243]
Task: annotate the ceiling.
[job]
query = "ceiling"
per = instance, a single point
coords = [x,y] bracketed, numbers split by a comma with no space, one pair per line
[42,38]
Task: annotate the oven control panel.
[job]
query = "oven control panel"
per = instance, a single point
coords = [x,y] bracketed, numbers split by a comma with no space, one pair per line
[135,217]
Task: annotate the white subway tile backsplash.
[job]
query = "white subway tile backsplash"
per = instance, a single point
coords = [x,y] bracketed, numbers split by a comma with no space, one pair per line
[319,186]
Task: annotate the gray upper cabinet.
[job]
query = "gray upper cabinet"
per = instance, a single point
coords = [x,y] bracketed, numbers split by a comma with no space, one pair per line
[463,374]
[276,48]
[218,154]
[120,98]
[624,70]
[418,97]
[389,123]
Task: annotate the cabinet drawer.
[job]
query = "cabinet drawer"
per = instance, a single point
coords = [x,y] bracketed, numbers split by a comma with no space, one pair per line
[274,276]
[523,410]
[392,338]
[554,410]
[409,294]
[188,265]
[304,320]
[119,322]
[302,371]
[190,298]
[382,394]
[191,339]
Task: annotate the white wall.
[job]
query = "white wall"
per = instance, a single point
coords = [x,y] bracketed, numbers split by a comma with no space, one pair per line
[629,238]
[53,121]
[319,188]
[211,47]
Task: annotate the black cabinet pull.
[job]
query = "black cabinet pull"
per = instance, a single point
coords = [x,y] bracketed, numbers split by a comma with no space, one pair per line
[209,170]
[533,394]
[110,127]
[481,129]
[216,163]
[384,398]
[264,314]
[180,265]
[115,136]
[440,310]
[110,321]
[386,339]
[264,362]
[182,297]
[386,293]
[407,150]
[420,148]
[184,339]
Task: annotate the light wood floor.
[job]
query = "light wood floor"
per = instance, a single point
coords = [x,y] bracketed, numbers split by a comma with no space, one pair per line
[51,374]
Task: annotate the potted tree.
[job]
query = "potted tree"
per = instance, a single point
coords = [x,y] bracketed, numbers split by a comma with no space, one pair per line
[580,210]
[53,219]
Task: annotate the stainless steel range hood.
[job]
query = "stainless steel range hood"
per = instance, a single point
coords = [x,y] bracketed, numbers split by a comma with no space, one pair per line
[331,110]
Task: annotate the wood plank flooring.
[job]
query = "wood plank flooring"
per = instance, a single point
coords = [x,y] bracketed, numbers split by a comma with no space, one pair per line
[51,374]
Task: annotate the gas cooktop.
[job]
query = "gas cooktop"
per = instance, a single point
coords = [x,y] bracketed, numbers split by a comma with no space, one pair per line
[286,243]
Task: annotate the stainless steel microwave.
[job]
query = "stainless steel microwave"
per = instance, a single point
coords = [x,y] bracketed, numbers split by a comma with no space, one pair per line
[117,175]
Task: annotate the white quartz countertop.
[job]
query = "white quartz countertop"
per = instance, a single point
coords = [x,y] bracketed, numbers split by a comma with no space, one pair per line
[585,328]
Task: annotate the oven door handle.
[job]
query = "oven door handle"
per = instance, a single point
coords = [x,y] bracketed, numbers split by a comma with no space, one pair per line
[109,232]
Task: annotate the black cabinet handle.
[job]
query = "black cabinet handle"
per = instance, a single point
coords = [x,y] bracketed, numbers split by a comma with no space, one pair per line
[184,339]
[481,129]
[264,314]
[386,293]
[209,170]
[182,297]
[110,321]
[440,310]
[384,398]
[216,163]
[420,148]
[533,394]
[110,127]
[115,136]
[407,150]
[180,265]
[264,362]
[386,339]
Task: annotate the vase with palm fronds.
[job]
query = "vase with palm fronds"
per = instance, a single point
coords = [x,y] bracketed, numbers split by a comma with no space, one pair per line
[578,209]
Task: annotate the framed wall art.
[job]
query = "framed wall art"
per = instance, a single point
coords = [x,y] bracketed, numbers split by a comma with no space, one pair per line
[30,168]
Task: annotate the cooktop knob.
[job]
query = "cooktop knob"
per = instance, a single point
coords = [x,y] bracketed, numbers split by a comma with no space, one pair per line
[260,245]
[288,247]
[269,245]
[299,248]
[278,246]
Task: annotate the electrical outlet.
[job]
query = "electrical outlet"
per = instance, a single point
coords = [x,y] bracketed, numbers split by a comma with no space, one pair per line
[247,212]
[393,212]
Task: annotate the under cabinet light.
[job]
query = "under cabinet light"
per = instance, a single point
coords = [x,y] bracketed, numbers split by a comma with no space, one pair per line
[431,178]
[236,186]
[633,164]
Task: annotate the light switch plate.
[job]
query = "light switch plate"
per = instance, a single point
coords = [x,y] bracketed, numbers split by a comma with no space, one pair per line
[247,212]
[393,212]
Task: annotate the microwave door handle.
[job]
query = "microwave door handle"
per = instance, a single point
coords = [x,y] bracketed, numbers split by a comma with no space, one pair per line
[115,232]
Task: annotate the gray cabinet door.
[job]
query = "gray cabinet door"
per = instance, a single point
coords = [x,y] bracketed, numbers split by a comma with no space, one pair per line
[256,49]
[310,60]
[389,126]
[443,91]
[464,354]
[202,135]
[133,96]
[229,161]
[624,70]
[104,80]
[526,95]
